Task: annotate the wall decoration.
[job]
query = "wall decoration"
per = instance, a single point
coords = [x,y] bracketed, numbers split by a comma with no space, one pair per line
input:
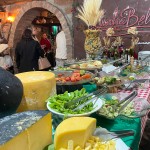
[91,13]
[119,15]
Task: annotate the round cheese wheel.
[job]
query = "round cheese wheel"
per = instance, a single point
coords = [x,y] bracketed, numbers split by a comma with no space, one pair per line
[11,91]
[38,86]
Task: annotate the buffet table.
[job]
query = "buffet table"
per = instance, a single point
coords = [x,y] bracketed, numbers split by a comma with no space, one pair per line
[145,94]
[120,123]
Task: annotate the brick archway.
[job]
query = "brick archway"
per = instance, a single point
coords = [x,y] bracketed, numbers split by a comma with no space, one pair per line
[28,7]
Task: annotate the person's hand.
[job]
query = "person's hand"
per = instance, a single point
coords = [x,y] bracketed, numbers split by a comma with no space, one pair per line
[45,54]
[4,67]
[7,67]
[43,46]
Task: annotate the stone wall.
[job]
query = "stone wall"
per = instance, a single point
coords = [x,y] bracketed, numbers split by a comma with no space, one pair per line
[65,6]
[25,12]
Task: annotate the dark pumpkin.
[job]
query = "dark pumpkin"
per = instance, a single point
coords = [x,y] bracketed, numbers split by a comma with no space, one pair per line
[11,92]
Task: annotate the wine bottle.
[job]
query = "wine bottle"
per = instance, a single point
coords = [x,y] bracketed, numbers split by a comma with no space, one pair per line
[126,56]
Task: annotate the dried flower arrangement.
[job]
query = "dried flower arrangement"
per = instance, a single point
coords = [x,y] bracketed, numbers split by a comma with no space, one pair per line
[109,32]
[132,30]
[115,48]
[90,12]
[134,40]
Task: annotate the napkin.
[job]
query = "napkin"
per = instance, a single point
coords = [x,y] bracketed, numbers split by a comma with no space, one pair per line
[108,68]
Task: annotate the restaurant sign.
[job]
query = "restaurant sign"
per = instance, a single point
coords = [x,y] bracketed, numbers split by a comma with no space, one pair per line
[123,19]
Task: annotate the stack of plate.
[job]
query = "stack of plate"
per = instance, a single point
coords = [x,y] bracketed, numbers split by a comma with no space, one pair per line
[143,54]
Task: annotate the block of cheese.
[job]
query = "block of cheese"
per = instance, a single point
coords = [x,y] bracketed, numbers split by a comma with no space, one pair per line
[78,129]
[31,130]
[37,87]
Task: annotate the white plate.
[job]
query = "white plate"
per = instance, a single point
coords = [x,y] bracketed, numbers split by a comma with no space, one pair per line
[97,106]
[120,145]
[143,54]
[108,68]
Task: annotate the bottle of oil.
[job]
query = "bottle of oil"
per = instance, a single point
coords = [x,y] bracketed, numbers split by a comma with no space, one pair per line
[126,56]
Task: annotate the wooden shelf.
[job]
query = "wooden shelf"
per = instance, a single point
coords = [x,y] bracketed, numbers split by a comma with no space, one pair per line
[46,24]
[48,21]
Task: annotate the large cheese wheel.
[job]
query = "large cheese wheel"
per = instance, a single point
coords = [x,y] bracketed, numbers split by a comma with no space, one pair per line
[31,130]
[77,129]
[37,87]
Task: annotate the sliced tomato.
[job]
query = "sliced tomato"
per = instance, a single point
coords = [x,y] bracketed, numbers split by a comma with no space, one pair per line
[63,81]
[68,79]
[86,76]
[78,78]
[73,79]
[60,75]
[76,74]
[57,79]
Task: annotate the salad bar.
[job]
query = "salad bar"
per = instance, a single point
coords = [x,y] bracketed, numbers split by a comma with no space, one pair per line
[104,117]
[110,103]
[94,90]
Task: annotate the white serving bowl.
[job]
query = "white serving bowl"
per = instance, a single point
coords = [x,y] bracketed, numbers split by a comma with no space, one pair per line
[97,105]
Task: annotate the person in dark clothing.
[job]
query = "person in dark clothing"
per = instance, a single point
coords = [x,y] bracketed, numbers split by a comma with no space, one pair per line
[28,52]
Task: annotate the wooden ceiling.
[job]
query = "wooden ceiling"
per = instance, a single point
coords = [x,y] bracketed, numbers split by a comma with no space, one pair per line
[8,2]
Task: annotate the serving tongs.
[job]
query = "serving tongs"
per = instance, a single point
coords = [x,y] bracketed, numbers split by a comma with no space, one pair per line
[111,62]
[126,101]
[106,135]
[94,95]
[78,62]
[136,81]
[119,69]
[134,93]
[140,80]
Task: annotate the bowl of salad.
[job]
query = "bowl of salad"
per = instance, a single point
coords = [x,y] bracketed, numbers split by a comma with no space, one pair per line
[107,110]
[112,82]
[56,104]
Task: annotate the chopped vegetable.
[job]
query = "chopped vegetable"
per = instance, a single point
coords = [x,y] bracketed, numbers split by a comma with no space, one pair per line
[76,76]
[57,102]
[109,80]
[108,111]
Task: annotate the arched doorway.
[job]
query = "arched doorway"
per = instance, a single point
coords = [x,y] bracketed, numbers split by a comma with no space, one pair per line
[28,12]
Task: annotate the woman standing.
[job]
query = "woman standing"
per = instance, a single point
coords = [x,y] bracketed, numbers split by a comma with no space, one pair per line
[46,45]
[28,52]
